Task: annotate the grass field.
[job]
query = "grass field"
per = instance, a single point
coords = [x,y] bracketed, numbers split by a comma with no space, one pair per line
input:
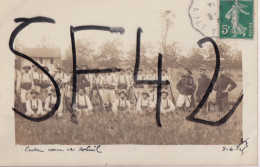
[107,128]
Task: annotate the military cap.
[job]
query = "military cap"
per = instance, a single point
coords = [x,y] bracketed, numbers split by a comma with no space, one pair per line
[113,69]
[145,92]
[81,87]
[46,68]
[187,69]
[59,68]
[152,69]
[122,91]
[129,69]
[85,65]
[203,68]
[164,91]
[53,89]
[34,91]
[165,70]
[26,67]
[151,86]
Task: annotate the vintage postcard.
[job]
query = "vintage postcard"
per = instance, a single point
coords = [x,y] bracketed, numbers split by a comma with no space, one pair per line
[120,82]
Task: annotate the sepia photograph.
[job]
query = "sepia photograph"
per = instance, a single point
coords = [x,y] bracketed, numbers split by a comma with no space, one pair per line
[111,108]
[120,82]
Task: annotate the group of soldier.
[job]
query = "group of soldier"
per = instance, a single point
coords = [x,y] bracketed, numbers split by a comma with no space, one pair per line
[114,92]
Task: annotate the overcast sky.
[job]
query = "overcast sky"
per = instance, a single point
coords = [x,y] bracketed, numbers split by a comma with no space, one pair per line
[128,14]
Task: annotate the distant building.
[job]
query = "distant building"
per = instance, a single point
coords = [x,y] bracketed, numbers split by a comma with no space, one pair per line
[50,57]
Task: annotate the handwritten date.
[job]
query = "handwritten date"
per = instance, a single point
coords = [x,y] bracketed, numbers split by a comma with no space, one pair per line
[240,147]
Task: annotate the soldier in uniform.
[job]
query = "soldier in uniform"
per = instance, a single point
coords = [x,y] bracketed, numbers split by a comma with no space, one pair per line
[166,104]
[122,81]
[203,84]
[165,77]
[152,94]
[132,97]
[36,78]
[51,101]
[139,87]
[45,84]
[25,84]
[61,78]
[186,87]
[152,76]
[34,105]
[88,82]
[121,104]
[109,95]
[81,81]
[17,89]
[96,93]
[223,86]
[144,104]
[83,104]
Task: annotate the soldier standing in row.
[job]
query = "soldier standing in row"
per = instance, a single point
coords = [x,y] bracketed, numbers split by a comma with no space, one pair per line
[165,77]
[223,86]
[36,78]
[122,81]
[132,97]
[45,83]
[203,84]
[186,87]
[152,94]
[96,94]
[88,80]
[24,85]
[61,79]
[139,87]
[109,95]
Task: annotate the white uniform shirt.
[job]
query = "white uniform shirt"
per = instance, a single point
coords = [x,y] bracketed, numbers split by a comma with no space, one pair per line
[122,79]
[35,75]
[26,77]
[44,77]
[61,76]
[167,104]
[152,77]
[144,103]
[109,79]
[84,100]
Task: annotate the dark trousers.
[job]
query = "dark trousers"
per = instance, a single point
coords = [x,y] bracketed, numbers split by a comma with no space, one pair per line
[198,99]
[222,102]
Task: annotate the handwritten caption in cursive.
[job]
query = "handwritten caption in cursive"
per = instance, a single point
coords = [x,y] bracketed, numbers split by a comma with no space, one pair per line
[92,148]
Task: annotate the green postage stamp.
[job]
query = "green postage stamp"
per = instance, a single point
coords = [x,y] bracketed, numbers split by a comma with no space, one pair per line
[236,19]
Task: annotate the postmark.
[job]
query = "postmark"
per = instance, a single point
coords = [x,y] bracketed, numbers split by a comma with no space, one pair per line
[236,19]
[204,17]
